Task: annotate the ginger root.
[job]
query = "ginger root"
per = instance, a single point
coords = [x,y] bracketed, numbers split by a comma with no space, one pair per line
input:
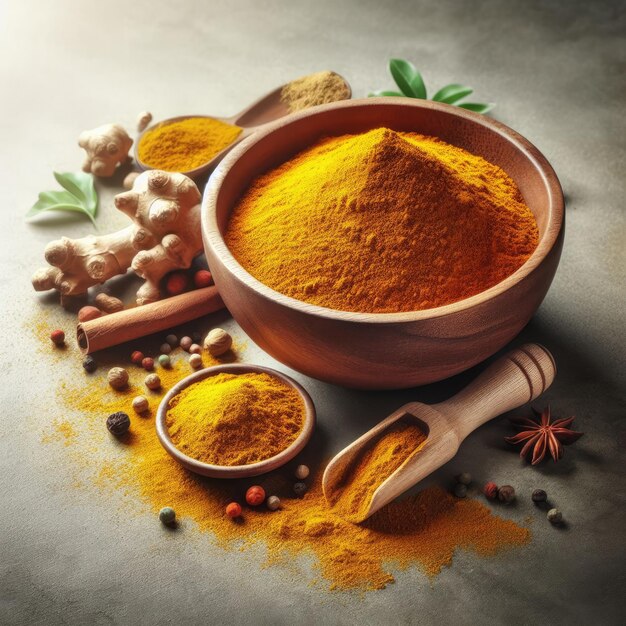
[165,236]
[106,147]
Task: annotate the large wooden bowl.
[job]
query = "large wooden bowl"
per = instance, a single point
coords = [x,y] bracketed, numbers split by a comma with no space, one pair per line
[385,350]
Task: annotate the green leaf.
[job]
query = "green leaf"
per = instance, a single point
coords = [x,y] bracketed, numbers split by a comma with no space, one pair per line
[383,92]
[477,107]
[407,78]
[59,201]
[80,185]
[452,93]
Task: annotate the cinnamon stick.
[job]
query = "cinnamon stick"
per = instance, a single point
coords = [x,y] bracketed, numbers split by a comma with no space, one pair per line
[110,330]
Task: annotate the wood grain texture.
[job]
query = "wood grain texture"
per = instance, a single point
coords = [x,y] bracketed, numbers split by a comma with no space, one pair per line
[235,471]
[391,350]
[513,380]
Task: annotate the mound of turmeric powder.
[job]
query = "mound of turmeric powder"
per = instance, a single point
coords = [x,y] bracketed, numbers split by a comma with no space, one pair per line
[235,419]
[382,222]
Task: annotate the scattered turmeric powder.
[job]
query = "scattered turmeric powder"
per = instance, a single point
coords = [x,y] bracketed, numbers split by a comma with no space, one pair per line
[235,419]
[186,144]
[422,530]
[382,222]
[351,496]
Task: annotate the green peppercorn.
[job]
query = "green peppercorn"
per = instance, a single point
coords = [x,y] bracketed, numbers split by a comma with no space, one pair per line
[539,495]
[460,490]
[555,516]
[118,423]
[299,489]
[164,360]
[89,364]
[464,478]
[167,515]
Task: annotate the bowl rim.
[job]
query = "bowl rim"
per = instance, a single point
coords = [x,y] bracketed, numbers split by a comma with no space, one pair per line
[235,471]
[214,239]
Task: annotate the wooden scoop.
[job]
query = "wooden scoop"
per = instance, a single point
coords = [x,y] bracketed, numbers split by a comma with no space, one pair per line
[267,109]
[513,380]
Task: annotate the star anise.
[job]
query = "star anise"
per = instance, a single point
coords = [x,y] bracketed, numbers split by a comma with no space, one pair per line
[543,434]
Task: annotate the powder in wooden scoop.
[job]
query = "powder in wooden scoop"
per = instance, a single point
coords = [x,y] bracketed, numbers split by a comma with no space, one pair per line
[351,496]
[314,89]
[235,419]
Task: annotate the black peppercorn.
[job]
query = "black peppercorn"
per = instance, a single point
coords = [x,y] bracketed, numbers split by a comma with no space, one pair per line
[89,364]
[460,490]
[539,495]
[299,489]
[506,494]
[118,423]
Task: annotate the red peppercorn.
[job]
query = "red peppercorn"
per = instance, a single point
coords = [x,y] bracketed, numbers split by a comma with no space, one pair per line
[176,283]
[233,510]
[147,363]
[136,357]
[491,491]
[202,278]
[255,495]
[57,337]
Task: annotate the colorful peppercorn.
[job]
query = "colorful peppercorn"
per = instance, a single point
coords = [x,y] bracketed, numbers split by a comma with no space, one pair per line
[172,340]
[147,363]
[202,278]
[165,348]
[255,495]
[491,491]
[195,360]
[233,510]
[118,423]
[136,357]
[89,364]
[164,360]
[57,337]
[186,343]
[555,516]
[506,494]
[176,283]
[118,378]
[302,472]
[464,478]
[153,382]
[167,516]
[539,495]
[299,489]
[140,404]
[194,348]
[460,490]
[273,503]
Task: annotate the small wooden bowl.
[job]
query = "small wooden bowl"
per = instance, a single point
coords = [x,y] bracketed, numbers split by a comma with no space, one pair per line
[235,471]
[387,350]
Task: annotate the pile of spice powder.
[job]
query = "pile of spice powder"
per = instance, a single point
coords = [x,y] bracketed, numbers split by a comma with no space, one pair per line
[350,497]
[314,89]
[422,530]
[235,419]
[382,222]
[183,145]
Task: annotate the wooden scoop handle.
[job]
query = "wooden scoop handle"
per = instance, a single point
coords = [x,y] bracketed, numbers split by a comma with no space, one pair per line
[513,380]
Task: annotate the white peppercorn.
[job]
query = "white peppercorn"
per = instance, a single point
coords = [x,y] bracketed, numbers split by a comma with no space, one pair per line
[118,378]
[140,404]
[218,341]
[555,516]
[195,360]
[194,348]
[185,343]
[153,382]
[302,472]
[273,503]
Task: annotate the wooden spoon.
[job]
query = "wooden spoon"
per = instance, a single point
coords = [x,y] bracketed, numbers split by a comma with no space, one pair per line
[235,471]
[267,109]
[513,380]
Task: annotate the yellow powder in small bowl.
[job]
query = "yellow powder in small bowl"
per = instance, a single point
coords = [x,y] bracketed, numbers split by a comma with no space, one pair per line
[235,419]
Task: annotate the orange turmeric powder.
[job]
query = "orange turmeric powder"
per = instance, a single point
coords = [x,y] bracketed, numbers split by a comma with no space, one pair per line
[382,222]
[423,530]
[183,145]
[352,495]
[235,419]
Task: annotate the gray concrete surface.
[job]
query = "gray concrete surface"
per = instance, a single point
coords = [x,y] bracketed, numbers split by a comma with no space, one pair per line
[556,70]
